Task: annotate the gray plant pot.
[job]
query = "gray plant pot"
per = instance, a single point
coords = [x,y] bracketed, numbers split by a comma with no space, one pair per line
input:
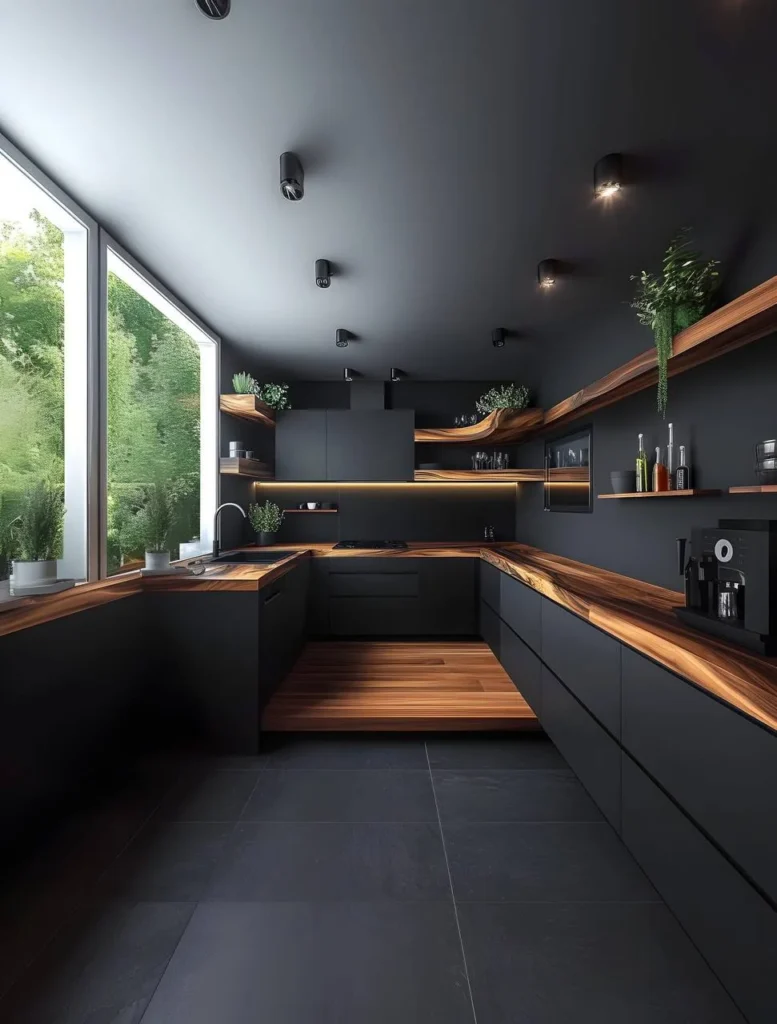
[157,560]
[34,574]
[265,539]
[623,481]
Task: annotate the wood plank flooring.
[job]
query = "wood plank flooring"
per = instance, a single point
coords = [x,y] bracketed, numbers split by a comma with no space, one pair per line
[397,686]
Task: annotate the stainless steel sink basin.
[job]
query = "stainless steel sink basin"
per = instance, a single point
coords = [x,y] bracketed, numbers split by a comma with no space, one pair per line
[251,557]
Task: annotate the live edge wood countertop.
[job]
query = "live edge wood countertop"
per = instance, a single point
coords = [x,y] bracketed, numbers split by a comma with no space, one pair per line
[636,613]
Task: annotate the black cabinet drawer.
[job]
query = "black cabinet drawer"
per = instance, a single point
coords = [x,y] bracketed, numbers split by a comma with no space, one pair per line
[521,608]
[375,616]
[587,661]
[592,754]
[522,665]
[373,584]
[733,927]
[490,627]
[300,445]
[490,584]
[716,764]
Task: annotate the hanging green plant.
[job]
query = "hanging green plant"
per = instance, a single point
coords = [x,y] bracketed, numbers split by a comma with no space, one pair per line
[673,300]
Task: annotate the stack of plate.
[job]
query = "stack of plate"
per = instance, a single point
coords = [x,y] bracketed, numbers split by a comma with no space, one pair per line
[766,462]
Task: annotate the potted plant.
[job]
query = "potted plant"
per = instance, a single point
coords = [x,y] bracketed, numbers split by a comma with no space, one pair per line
[276,396]
[39,536]
[266,521]
[680,295]
[244,384]
[506,396]
[153,523]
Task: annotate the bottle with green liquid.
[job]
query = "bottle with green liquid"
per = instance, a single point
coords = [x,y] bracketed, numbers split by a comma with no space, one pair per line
[642,466]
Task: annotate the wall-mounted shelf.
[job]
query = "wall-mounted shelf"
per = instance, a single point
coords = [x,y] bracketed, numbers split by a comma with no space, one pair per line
[746,319]
[693,493]
[482,476]
[252,469]
[247,407]
[502,426]
[754,489]
[311,511]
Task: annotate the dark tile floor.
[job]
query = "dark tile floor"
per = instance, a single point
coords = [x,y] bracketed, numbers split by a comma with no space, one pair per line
[343,880]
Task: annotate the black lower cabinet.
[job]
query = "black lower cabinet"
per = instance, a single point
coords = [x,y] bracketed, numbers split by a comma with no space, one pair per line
[734,928]
[719,766]
[521,608]
[591,753]
[490,585]
[490,629]
[522,666]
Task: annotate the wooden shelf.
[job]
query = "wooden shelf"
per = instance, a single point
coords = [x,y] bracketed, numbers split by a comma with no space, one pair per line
[311,511]
[746,319]
[248,407]
[253,469]
[482,476]
[503,426]
[694,493]
[754,489]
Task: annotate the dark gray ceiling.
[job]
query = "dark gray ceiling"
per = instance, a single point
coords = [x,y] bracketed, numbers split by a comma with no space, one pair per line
[448,146]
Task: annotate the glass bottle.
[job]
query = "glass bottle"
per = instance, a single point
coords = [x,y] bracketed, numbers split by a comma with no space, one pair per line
[642,466]
[670,466]
[683,475]
[660,476]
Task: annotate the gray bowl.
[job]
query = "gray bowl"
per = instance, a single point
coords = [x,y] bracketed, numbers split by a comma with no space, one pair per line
[623,481]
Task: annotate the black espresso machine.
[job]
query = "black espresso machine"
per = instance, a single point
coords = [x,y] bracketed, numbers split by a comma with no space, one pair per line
[731,582]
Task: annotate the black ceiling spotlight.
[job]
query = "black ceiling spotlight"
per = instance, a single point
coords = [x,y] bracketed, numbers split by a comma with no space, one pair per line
[608,176]
[215,9]
[292,177]
[342,337]
[323,273]
[547,272]
[396,375]
[347,374]
[498,336]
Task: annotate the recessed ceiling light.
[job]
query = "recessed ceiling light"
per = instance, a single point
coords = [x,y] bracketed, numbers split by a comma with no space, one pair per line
[608,176]
[215,9]
[547,272]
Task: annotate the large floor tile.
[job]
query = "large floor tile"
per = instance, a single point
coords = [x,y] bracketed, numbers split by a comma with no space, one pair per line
[304,861]
[325,795]
[335,963]
[587,963]
[493,750]
[341,750]
[512,796]
[171,860]
[538,862]
[102,970]
[212,796]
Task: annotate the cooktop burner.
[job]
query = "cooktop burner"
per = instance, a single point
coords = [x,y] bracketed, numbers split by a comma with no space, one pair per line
[397,545]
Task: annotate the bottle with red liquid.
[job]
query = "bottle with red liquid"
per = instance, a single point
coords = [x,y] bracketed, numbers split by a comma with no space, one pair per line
[660,474]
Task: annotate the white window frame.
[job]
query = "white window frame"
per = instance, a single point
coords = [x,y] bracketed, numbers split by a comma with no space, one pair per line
[81,252]
[137,277]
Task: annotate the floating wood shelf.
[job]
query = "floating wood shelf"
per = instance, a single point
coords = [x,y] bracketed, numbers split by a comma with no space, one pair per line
[481,476]
[503,426]
[248,407]
[754,489]
[693,493]
[250,468]
[311,511]
[746,319]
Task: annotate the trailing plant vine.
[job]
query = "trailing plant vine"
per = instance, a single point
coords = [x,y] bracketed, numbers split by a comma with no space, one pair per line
[668,302]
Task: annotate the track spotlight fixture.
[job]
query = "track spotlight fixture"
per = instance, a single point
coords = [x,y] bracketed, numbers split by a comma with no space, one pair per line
[323,273]
[498,336]
[347,374]
[341,337]
[292,177]
[547,272]
[608,176]
[215,9]
[395,375]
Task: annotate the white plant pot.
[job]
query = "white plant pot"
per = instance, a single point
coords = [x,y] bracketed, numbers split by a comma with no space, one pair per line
[5,590]
[157,560]
[33,574]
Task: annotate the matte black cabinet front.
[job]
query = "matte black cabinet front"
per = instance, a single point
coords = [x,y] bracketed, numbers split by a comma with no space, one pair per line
[522,665]
[521,608]
[375,445]
[300,445]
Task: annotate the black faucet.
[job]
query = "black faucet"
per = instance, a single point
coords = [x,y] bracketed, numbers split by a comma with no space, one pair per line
[216,523]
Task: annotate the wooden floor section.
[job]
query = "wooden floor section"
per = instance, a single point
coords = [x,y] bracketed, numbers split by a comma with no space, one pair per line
[397,686]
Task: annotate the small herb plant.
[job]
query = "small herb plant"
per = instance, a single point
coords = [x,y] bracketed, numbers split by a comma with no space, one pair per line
[276,396]
[154,520]
[266,518]
[244,384]
[41,523]
[507,396]
[677,297]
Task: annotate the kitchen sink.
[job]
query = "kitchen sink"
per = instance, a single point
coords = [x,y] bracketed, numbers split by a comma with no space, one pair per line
[252,557]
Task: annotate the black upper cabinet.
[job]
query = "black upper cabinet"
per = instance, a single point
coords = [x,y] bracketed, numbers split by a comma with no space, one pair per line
[374,445]
[300,445]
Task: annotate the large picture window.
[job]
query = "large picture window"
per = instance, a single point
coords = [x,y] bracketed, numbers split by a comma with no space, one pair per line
[43,355]
[162,414]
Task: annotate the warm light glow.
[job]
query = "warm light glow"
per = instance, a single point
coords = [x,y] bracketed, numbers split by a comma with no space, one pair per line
[608,189]
[334,485]
[547,282]
[567,483]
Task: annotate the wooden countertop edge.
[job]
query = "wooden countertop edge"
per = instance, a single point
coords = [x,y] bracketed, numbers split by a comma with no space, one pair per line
[746,682]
